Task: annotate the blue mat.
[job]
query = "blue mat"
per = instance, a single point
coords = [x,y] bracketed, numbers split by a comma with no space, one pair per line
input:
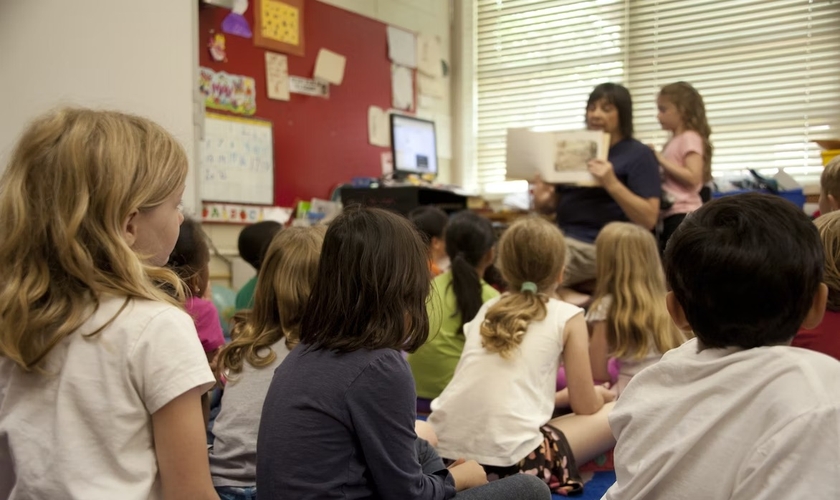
[594,489]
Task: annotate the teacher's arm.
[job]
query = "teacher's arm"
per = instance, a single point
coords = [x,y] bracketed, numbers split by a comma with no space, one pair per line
[640,210]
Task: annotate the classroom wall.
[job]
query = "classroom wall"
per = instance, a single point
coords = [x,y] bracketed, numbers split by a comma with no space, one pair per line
[135,56]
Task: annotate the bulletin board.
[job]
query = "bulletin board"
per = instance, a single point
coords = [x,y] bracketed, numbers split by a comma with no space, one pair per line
[237,160]
[318,142]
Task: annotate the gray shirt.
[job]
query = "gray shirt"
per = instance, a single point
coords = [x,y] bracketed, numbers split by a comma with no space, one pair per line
[233,457]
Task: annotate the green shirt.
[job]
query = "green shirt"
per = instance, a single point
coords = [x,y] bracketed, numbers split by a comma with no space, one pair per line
[434,363]
[245,297]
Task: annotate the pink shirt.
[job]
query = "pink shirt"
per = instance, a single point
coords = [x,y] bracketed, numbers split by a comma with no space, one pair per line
[207,323]
[686,199]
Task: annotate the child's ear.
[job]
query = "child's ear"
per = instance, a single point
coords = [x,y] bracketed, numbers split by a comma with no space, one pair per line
[832,202]
[817,311]
[677,313]
[561,276]
[130,229]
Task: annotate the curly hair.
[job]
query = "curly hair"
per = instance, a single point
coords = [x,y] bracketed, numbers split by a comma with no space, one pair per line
[692,110]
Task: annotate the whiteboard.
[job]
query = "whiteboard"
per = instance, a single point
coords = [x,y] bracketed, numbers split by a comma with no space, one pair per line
[237,160]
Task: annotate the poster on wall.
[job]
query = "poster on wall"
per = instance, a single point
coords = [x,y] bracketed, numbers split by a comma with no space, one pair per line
[234,93]
[279,25]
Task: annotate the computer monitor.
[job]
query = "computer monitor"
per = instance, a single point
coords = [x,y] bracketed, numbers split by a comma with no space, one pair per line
[413,146]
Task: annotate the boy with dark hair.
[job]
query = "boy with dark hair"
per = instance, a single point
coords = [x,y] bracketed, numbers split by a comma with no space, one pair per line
[253,242]
[431,222]
[736,413]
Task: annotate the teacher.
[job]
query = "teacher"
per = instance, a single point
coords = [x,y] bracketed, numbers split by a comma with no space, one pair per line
[629,186]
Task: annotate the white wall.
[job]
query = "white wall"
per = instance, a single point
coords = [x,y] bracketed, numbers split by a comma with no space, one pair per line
[432,17]
[132,55]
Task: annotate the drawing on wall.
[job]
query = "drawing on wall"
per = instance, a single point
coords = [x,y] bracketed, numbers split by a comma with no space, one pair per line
[235,93]
[280,25]
[235,22]
[277,76]
[216,46]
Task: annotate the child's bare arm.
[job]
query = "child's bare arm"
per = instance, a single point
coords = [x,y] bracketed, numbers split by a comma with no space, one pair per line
[181,449]
[599,351]
[583,398]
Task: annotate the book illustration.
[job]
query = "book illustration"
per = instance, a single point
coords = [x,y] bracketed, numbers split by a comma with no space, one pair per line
[574,154]
[557,157]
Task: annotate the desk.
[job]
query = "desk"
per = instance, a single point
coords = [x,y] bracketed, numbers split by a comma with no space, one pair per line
[404,199]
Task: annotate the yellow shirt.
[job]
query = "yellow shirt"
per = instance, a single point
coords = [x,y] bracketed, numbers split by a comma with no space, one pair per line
[434,363]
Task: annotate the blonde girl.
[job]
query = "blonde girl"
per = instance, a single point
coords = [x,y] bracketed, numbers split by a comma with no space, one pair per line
[262,337]
[686,159]
[628,318]
[504,382]
[101,370]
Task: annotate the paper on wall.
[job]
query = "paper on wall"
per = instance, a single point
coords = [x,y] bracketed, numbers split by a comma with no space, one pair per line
[329,67]
[306,86]
[277,76]
[402,47]
[429,55]
[430,86]
[443,132]
[378,127]
[402,88]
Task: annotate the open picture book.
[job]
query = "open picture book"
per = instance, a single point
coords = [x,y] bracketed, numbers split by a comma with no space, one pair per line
[558,157]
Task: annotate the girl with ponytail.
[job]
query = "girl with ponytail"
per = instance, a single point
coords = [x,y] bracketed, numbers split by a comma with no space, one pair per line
[504,382]
[456,297]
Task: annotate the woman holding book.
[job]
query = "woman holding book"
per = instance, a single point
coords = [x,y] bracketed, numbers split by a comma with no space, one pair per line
[628,189]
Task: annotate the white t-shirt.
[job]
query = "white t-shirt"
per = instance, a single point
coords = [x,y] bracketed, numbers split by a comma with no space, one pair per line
[84,429]
[627,367]
[493,408]
[753,424]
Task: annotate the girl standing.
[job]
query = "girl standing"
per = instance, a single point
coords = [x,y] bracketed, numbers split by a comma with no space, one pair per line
[628,318]
[686,159]
[101,371]
[504,382]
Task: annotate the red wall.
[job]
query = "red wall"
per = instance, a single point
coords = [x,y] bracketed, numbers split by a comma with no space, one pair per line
[318,143]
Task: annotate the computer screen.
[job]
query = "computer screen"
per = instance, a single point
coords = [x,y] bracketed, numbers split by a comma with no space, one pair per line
[413,145]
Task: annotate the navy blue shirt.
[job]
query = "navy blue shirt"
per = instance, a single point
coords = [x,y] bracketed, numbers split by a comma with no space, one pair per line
[583,211]
[342,426]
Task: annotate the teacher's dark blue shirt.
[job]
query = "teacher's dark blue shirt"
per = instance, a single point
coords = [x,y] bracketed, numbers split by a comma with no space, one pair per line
[583,211]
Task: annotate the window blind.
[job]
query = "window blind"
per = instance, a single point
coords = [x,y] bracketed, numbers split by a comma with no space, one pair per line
[536,62]
[768,71]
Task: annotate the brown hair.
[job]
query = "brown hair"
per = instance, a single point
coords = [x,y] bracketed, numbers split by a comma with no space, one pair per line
[190,259]
[829,227]
[530,250]
[692,110]
[73,180]
[830,178]
[630,271]
[372,285]
[288,271]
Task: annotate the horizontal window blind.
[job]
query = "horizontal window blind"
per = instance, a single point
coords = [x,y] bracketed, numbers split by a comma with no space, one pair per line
[768,71]
[536,63]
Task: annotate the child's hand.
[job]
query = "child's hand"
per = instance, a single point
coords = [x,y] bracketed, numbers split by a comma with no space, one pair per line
[467,474]
[603,172]
[605,392]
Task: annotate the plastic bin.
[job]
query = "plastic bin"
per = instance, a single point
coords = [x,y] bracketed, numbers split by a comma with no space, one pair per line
[829,154]
[795,196]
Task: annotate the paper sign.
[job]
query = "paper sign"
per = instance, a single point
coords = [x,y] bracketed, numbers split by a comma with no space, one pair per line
[378,127]
[280,22]
[228,92]
[306,86]
[429,55]
[402,47]
[329,67]
[402,88]
[430,86]
[277,76]
[243,214]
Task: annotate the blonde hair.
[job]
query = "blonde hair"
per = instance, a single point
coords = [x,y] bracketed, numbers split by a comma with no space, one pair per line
[830,178]
[74,178]
[689,104]
[284,284]
[530,250]
[629,270]
[829,227]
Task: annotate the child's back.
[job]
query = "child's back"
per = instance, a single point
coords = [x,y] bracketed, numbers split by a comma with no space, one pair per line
[736,412]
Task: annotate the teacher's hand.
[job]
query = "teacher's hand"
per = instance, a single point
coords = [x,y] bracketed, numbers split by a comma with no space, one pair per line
[603,172]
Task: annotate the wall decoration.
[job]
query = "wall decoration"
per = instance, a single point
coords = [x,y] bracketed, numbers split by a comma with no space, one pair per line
[234,93]
[279,25]
[235,22]
[216,46]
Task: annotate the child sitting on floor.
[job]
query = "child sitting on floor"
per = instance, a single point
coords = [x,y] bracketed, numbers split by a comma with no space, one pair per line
[253,242]
[736,412]
[431,222]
